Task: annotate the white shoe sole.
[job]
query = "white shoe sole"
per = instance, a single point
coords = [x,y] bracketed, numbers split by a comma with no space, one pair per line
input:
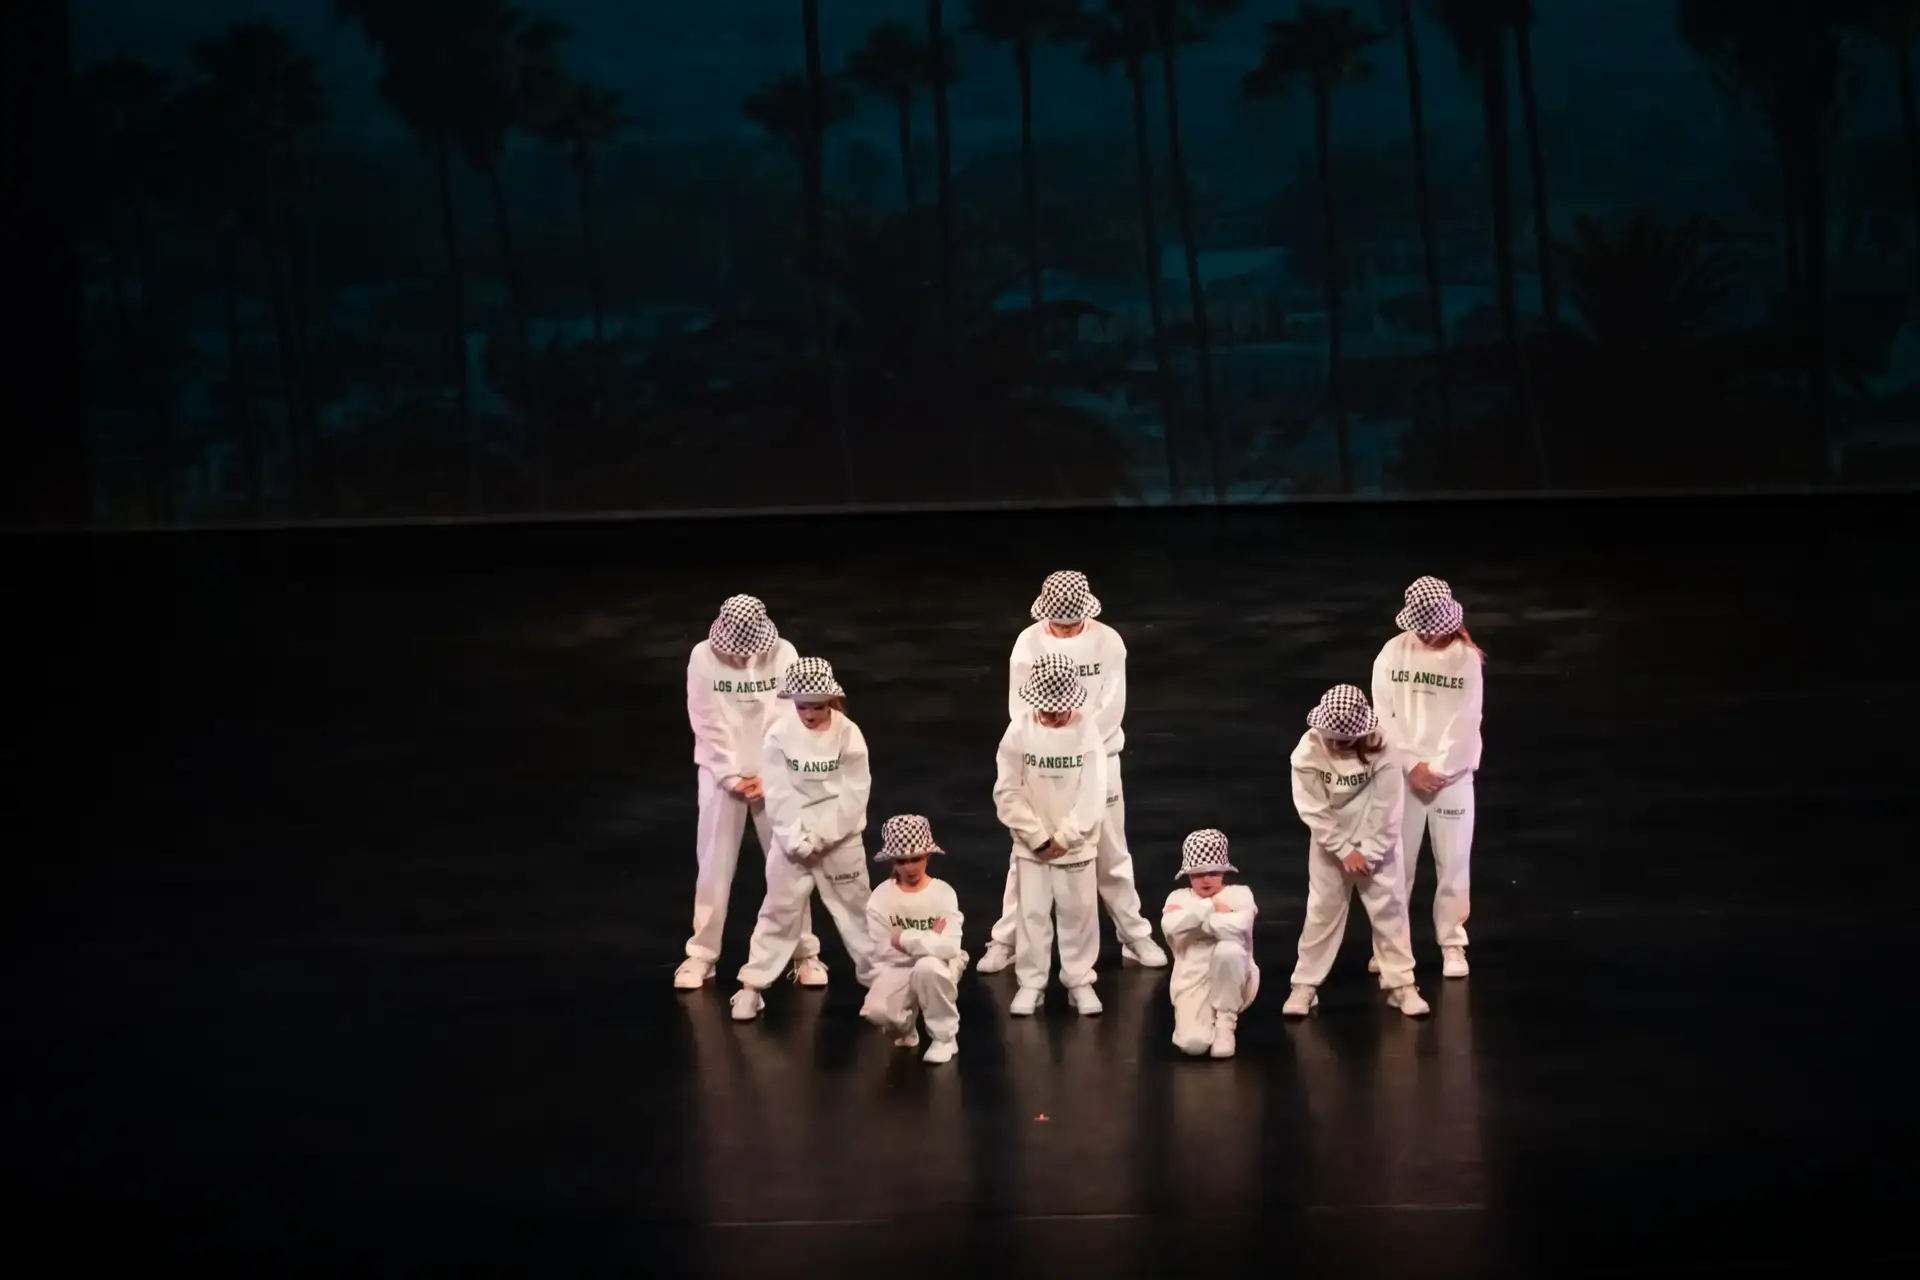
[690,984]
[1288,1010]
[1089,1011]
[1018,1012]
[993,962]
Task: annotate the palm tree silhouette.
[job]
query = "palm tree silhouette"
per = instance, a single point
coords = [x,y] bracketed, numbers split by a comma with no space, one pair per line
[1178,22]
[1400,15]
[894,65]
[1122,36]
[420,58]
[797,111]
[1522,22]
[123,112]
[944,70]
[511,66]
[1322,47]
[1786,57]
[1478,29]
[580,120]
[246,122]
[1896,25]
[1022,24]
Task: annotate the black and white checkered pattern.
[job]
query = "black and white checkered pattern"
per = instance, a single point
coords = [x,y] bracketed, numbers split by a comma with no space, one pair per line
[1431,609]
[743,628]
[1203,852]
[906,836]
[1343,713]
[810,680]
[1052,685]
[1066,597]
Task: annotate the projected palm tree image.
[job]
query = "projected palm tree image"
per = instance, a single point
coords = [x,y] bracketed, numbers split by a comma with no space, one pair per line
[473,258]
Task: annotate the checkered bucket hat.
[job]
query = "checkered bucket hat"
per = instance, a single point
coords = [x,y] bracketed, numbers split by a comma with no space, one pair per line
[1343,713]
[1052,684]
[810,679]
[1203,852]
[1066,597]
[743,628]
[1431,609]
[907,836]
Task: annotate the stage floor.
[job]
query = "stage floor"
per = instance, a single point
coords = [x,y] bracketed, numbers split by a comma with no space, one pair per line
[353,947]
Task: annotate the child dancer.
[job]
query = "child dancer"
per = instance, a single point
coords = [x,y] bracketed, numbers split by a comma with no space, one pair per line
[731,678]
[1065,623]
[1209,925]
[814,766]
[1426,683]
[1051,795]
[915,923]
[1347,787]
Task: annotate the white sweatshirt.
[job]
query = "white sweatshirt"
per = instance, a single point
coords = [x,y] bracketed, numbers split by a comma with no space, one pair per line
[1348,805]
[1429,703]
[729,708]
[817,782]
[1193,924]
[1052,785]
[914,915]
[1099,659]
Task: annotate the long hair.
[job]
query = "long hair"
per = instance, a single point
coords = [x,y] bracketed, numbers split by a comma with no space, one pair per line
[1460,635]
[1366,748]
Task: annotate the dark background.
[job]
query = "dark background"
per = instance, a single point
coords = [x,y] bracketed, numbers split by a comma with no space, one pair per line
[457,257]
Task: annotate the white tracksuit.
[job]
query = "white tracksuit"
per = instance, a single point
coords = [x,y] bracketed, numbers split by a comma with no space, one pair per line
[1348,805]
[1052,785]
[1429,703]
[817,786]
[921,975]
[729,708]
[1100,661]
[1213,970]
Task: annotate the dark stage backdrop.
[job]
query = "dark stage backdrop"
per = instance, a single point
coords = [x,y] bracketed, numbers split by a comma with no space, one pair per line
[349,259]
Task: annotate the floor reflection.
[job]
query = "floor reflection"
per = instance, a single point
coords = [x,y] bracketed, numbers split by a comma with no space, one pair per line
[1393,1154]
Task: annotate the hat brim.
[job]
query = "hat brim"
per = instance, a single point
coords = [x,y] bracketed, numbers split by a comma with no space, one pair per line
[1317,722]
[899,855]
[1092,611]
[1185,872]
[1079,698]
[771,643]
[1408,620]
[811,696]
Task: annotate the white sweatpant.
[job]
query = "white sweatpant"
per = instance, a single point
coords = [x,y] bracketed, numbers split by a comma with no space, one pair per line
[927,987]
[723,825]
[1113,866]
[1046,888]
[1330,890]
[1449,817]
[1233,980]
[840,876]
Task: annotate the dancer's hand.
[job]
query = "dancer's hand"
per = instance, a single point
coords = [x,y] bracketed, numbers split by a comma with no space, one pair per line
[1356,862]
[751,789]
[940,925]
[895,940]
[1423,779]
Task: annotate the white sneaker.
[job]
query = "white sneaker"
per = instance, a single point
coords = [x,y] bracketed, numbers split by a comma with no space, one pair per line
[939,1051]
[996,959]
[811,972]
[907,1039]
[1025,1001]
[1146,953]
[691,974]
[1409,1001]
[1300,1003]
[747,1004]
[1223,1029]
[1453,962]
[1085,1001]
[1373,964]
